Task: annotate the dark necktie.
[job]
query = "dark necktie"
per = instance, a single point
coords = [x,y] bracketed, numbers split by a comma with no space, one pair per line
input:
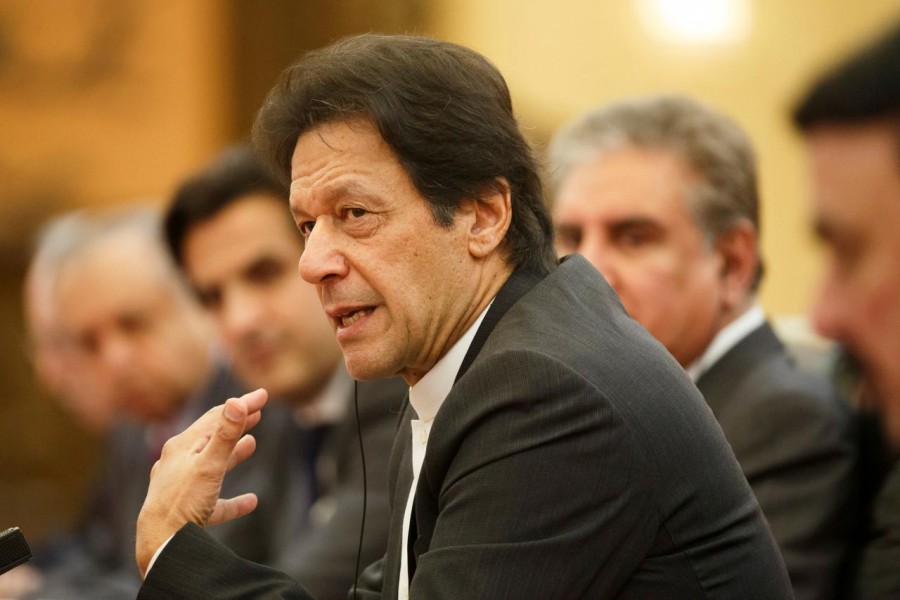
[310,446]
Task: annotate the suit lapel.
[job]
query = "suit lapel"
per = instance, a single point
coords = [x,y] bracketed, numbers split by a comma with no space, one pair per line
[759,345]
[515,287]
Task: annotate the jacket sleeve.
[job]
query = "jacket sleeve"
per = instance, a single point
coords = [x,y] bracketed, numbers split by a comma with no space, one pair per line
[194,566]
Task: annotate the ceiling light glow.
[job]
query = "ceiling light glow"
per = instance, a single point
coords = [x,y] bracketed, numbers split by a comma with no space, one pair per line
[698,21]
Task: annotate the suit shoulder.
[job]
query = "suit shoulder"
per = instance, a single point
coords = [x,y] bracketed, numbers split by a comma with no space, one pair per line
[776,391]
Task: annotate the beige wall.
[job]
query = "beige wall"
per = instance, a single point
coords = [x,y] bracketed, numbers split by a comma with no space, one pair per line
[101,101]
[563,56]
[108,99]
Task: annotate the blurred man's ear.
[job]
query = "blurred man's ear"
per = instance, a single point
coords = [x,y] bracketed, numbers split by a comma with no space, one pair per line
[737,248]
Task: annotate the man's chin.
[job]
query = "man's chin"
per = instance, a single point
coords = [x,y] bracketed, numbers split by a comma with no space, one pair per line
[364,369]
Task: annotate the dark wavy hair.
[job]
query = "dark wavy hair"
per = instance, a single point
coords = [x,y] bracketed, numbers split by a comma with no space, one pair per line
[229,177]
[444,110]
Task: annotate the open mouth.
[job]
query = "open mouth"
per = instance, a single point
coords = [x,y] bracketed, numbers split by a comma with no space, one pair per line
[348,319]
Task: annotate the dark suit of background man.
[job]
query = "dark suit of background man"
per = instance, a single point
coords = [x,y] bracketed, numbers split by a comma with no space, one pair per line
[660,194]
[851,120]
[230,230]
[552,447]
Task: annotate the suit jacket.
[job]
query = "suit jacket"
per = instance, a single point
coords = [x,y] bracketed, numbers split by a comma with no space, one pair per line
[320,546]
[573,458]
[879,571]
[320,550]
[793,440]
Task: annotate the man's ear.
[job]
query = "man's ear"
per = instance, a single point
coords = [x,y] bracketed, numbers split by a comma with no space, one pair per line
[491,214]
[738,249]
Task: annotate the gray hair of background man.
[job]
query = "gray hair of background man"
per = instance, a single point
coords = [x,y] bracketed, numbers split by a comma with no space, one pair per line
[710,143]
[59,243]
[64,239]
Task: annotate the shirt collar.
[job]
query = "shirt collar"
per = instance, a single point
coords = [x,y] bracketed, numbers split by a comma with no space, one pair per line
[727,338]
[429,393]
[331,404]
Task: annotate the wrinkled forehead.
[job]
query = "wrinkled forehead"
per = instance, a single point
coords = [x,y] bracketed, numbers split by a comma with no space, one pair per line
[341,158]
[340,136]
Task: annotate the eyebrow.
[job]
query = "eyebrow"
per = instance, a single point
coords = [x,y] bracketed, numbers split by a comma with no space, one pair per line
[329,191]
[632,222]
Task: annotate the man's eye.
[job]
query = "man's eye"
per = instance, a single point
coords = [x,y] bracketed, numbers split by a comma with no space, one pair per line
[306,227]
[568,239]
[209,299]
[638,237]
[355,212]
[634,239]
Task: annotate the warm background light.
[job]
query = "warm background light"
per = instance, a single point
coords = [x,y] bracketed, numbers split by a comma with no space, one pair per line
[697,21]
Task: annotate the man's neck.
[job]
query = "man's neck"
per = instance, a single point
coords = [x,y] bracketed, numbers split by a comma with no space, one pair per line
[727,338]
[491,276]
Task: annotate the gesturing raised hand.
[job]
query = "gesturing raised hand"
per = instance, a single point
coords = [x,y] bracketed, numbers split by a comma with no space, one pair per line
[185,482]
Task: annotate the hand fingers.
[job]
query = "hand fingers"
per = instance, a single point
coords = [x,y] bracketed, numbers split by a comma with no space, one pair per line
[228,432]
[252,420]
[208,422]
[242,451]
[232,508]
[255,400]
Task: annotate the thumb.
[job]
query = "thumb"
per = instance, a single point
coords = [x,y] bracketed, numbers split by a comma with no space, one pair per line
[228,432]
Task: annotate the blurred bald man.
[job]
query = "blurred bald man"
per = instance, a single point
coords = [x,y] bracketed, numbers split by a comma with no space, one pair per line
[122,316]
[57,367]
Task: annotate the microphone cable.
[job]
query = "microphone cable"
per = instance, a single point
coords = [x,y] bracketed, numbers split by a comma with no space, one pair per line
[362,453]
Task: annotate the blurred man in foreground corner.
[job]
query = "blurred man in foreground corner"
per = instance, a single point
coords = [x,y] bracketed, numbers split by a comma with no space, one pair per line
[550,447]
[851,121]
[230,229]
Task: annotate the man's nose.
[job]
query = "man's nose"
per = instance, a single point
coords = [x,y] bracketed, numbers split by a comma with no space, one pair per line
[241,312]
[116,353]
[323,257]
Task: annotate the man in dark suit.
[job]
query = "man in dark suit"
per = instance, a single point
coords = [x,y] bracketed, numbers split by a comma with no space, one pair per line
[147,351]
[660,194]
[850,121]
[545,452]
[229,229]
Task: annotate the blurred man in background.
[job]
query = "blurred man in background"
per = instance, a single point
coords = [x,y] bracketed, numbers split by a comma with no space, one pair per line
[230,229]
[57,367]
[660,194]
[851,121]
[59,371]
[125,333]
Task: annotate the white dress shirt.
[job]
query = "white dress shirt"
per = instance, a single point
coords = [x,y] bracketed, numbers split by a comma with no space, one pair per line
[729,337]
[426,398]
